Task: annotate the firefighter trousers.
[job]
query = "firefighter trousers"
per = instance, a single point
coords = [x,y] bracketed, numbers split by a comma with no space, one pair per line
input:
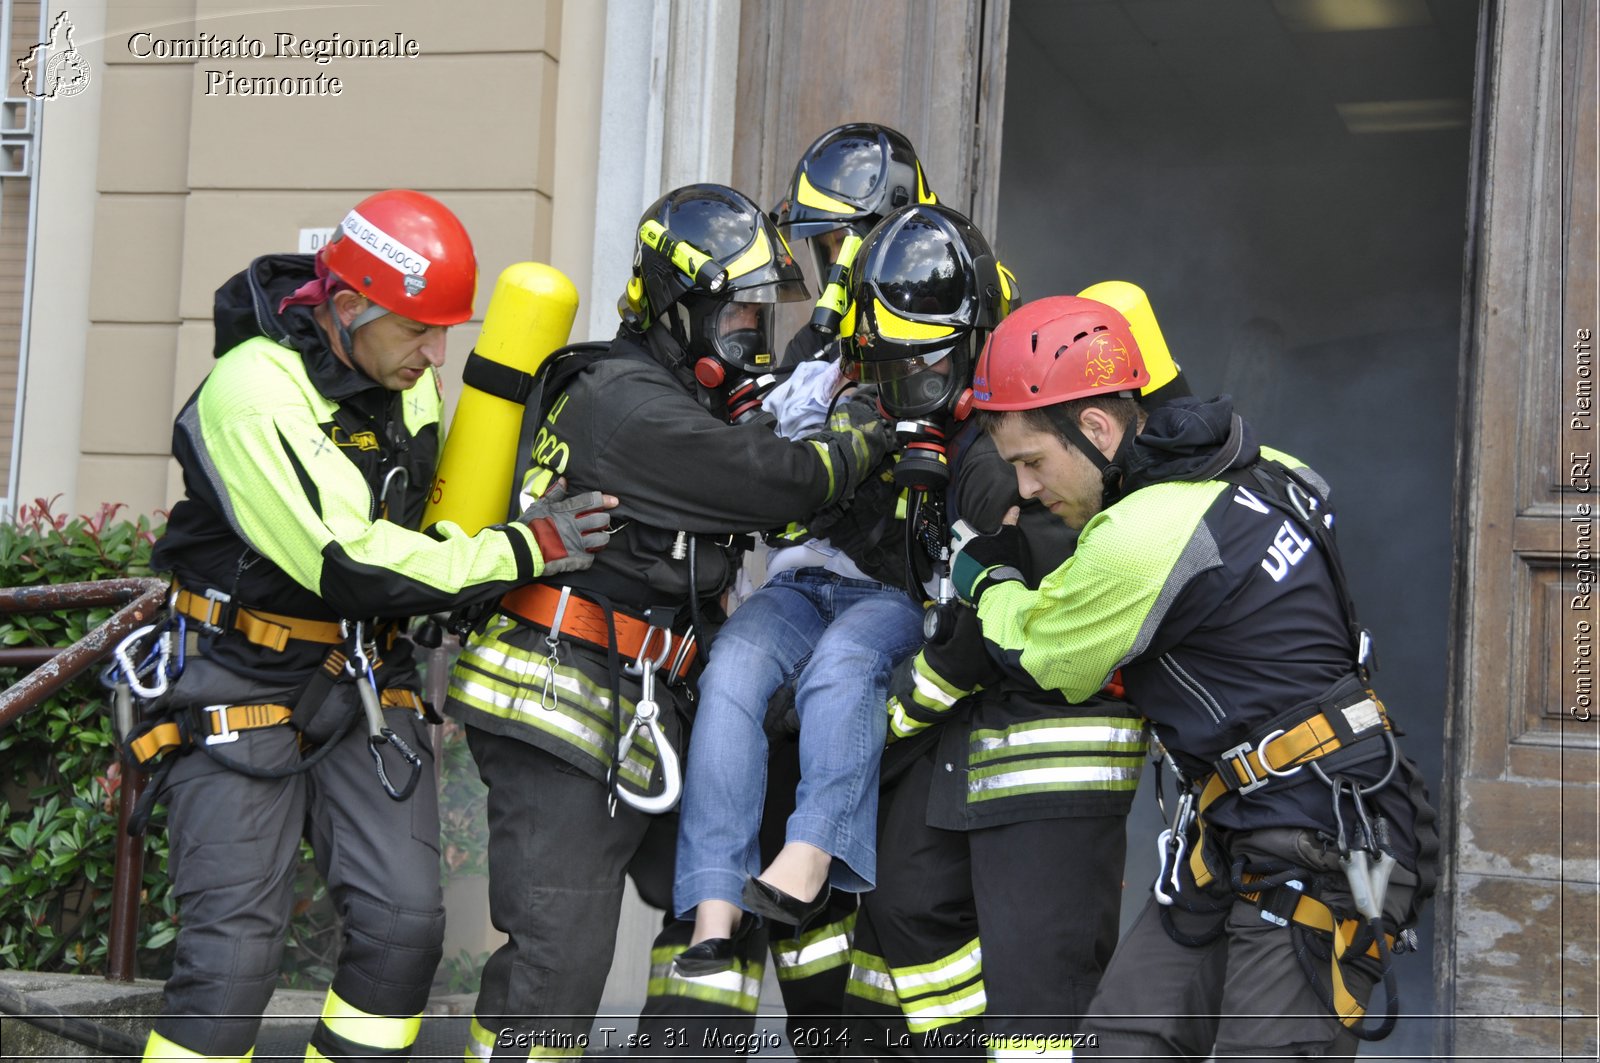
[558,860]
[1244,995]
[234,846]
[712,1015]
[997,934]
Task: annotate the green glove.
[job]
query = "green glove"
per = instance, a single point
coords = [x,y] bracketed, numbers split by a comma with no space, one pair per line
[978,562]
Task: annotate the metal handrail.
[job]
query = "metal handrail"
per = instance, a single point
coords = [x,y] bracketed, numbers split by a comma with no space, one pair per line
[141,599]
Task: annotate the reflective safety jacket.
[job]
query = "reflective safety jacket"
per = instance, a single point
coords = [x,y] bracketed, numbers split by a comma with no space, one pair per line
[628,425]
[285,453]
[1013,752]
[1221,615]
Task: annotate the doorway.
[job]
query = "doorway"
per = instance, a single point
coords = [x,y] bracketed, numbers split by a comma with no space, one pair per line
[1288,181]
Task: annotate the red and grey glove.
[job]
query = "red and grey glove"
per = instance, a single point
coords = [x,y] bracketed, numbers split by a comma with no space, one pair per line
[569,531]
[978,562]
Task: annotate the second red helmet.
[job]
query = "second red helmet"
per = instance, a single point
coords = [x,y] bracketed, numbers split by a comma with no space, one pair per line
[1054,350]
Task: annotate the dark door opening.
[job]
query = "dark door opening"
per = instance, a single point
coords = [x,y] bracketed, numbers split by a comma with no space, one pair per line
[1287,179]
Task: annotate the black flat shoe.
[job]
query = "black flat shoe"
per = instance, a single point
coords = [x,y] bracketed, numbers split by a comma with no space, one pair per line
[772,903]
[715,955]
[711,956]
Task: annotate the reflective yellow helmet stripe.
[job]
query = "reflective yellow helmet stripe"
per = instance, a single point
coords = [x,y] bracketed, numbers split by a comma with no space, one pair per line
[808,196]
[1008,281]
[757,255]
[924,193]
[363,1028]
[892,326]
[1131,302]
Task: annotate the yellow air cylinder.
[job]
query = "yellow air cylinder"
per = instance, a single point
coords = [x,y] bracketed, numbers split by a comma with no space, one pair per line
[1131,302]
[529,316]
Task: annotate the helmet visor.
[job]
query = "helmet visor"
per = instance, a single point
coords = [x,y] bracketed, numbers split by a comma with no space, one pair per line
[910,387]
[783,291]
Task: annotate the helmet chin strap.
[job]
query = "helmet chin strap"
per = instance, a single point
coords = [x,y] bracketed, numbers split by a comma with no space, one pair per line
[1111,469]
[347,333]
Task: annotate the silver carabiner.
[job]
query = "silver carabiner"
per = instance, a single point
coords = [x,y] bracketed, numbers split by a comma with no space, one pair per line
[647,716]
[1171,844]
[1304,503]
[398,472]
[379,733]
[636,667]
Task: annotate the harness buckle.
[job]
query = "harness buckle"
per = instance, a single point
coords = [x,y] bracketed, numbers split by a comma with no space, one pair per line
[224,733]
[1240,754]
[646,659]
[1278,904]
[219,614]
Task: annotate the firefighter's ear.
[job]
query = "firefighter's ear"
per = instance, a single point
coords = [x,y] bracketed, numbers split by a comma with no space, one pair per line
[348,305]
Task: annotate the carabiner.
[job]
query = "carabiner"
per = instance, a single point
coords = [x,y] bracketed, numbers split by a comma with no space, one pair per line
[647,716]
[398,472]
[160,653]
[1169,844]
[357,665]
[379,734]
[1172,843]
[375,744]
[637,666]
[550,692]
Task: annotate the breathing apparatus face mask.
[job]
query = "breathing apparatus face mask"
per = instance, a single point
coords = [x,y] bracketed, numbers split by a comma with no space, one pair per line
[732,350]
[919,394]
[924,386]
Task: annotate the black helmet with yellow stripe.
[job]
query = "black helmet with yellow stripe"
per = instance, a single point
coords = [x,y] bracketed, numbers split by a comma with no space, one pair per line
[849,180]
[708,266]
[925,292]
[854,175]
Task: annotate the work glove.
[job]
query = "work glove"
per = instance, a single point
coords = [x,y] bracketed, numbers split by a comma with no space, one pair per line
[925,688]
[569,531]
[978,562]
[856,440]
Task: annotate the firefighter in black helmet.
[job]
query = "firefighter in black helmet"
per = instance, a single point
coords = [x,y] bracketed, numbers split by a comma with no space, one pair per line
[1003,814]
[840,189]
[850,179]
[573,692]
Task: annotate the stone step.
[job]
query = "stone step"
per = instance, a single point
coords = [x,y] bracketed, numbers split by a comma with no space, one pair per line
[130,1008]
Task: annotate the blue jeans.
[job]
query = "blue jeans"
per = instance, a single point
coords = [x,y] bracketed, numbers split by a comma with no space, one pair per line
[836,640]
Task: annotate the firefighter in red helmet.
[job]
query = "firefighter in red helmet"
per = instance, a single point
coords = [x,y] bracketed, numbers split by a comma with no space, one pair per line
[1207,572]
[307,455]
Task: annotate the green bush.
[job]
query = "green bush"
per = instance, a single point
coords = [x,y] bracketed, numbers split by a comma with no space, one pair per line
[60,777]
